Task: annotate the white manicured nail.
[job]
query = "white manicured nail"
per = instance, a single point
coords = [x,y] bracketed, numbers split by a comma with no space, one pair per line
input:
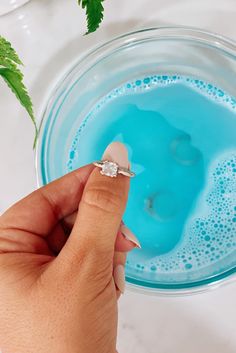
[119,278]
[130,236]
[117,152]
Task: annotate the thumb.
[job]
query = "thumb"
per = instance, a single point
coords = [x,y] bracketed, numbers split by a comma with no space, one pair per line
[100,212]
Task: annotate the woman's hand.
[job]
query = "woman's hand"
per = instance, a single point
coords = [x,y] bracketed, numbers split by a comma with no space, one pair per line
[59,286]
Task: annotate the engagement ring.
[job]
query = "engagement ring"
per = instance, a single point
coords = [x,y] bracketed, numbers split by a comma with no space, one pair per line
[112,169]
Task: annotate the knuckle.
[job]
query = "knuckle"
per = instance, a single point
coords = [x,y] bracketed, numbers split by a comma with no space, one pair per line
[105,198]
[100,250]
[97,269]
[72,258]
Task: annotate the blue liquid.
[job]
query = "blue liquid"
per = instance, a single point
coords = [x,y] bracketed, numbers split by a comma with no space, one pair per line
[181,137]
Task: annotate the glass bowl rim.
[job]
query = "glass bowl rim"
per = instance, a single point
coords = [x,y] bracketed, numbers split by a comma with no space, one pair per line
[85,62]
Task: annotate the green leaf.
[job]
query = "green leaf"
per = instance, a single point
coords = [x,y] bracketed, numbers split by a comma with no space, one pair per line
[7,52]
[94,13]
[14,78]
[7,63]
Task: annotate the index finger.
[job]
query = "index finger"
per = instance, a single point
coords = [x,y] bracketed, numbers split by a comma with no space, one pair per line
[40,211]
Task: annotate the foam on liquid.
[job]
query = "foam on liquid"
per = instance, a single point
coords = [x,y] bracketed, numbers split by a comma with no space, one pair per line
[207,226]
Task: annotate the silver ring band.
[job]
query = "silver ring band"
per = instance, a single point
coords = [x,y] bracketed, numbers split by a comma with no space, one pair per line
[112,169]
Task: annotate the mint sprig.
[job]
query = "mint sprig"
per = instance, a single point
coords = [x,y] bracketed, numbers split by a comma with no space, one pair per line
[94,13]
[9,71]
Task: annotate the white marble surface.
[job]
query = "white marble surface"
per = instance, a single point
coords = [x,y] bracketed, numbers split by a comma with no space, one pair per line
[48,36]
[9,5]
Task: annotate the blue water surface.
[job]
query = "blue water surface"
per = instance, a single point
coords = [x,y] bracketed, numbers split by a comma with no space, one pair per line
[181,136]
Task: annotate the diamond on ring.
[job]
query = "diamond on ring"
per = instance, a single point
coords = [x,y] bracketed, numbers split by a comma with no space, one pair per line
[112,169]
[109,169]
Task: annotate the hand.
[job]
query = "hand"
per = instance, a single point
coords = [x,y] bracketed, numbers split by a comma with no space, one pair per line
[58,291]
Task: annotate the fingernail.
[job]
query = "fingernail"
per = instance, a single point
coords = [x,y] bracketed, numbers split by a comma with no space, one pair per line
[119,278]
[130,236]
[117,152]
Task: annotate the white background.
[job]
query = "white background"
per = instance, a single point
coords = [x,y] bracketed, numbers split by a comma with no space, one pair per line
[48,37]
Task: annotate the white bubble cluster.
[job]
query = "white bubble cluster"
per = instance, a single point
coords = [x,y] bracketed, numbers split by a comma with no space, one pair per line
[210,234]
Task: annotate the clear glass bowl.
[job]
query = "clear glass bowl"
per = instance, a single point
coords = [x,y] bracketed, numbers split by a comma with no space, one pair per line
[171,50]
